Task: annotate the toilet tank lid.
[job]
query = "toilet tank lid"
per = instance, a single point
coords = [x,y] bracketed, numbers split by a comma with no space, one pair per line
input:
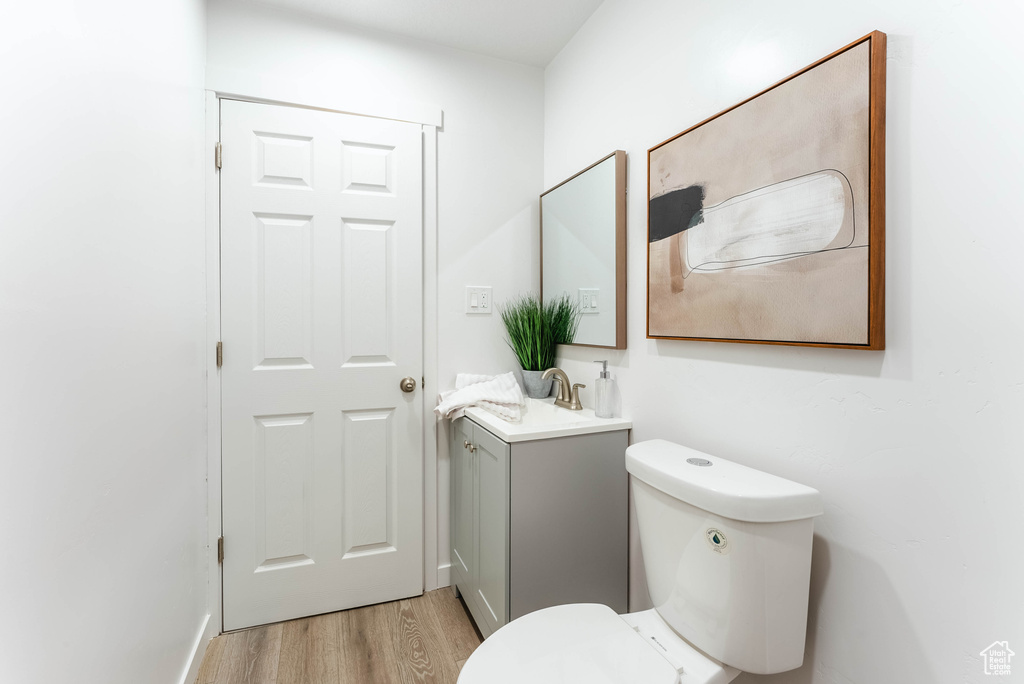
[720,486]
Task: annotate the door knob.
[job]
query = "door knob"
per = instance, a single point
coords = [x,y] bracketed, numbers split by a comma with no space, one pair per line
[408,384]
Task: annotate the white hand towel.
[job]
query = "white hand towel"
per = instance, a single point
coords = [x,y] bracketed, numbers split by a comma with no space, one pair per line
[499,394]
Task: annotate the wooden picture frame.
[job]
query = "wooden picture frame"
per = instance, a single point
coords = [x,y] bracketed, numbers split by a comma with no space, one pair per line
[756,215]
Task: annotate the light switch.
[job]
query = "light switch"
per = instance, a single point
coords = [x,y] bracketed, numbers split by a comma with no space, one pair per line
[478,299]
[588,300]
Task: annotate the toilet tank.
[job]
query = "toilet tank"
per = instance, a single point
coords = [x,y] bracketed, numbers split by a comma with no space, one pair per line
[727,553]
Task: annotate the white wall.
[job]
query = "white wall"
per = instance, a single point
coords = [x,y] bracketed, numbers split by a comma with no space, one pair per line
[490,153]
[918,449]
[102,417]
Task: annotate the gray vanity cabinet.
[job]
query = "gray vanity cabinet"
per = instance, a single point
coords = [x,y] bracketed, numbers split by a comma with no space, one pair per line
[480,465]
[537,523]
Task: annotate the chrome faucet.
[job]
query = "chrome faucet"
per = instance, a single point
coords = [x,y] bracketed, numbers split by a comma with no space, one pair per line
[567,398]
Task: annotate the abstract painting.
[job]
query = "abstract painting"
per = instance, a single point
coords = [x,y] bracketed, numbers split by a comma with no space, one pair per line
[766,222]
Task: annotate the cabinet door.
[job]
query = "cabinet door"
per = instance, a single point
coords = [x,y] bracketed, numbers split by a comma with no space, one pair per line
[492,456]
[463,514]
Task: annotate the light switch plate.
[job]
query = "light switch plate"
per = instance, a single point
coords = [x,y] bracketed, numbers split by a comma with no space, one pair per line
[478,299]
[590,300]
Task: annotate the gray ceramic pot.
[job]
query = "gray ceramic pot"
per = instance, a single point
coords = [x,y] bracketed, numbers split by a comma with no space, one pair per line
[536,388]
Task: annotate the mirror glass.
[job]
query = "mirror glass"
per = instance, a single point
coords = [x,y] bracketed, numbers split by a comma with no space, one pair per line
[583,249]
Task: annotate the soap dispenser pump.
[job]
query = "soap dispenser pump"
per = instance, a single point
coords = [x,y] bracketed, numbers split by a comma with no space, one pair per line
[603,393]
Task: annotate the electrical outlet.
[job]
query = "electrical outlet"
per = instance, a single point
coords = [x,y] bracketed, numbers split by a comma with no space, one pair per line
[478,299]
[589,300]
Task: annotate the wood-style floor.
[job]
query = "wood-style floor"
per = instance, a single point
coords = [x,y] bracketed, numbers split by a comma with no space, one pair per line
[419,640]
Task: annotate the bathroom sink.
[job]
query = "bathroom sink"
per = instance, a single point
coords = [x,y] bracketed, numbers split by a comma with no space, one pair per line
[543,412]
[542,420]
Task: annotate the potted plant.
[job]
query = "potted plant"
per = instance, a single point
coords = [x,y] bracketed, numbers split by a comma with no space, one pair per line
[533,330]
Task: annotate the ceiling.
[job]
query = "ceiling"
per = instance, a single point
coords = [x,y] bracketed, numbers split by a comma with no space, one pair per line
[525,31]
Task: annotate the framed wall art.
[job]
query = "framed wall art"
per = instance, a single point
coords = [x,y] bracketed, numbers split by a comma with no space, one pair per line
[766,222]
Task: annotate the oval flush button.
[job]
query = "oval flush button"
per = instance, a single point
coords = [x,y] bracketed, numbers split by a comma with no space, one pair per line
[716,540]
[698,461]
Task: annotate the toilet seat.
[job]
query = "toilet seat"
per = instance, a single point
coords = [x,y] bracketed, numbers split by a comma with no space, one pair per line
[582,642]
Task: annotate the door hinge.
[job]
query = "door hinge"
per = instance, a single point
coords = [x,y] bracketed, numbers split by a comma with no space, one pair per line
[220,354]
[218,157]
[220,549]
[423,382]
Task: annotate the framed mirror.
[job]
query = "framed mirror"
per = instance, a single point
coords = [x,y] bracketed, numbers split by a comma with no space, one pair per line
[583,249]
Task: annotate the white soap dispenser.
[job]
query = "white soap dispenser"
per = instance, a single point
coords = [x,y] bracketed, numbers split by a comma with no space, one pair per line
[604,406]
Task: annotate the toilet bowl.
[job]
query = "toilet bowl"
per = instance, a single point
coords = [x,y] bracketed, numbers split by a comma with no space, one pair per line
[588,642]
[727,553]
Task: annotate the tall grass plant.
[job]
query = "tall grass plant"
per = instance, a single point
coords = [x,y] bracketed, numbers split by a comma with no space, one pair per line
[534,329]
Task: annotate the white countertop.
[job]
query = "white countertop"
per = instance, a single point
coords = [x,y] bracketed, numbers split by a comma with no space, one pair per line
[543,420]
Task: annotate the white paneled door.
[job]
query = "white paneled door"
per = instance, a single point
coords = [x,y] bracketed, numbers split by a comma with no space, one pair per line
[321,287]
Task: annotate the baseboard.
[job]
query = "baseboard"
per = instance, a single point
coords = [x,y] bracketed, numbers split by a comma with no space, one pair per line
[444,575]
[191,671]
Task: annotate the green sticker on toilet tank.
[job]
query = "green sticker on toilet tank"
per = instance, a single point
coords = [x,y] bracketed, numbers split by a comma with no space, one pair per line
[716,540]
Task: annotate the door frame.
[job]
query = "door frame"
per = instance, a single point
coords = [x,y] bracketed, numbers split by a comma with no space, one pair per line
[430,118]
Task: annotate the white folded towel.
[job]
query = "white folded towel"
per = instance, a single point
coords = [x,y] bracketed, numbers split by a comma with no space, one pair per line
[499,394]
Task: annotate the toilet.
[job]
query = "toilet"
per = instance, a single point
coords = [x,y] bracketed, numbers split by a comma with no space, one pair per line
[727,555]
